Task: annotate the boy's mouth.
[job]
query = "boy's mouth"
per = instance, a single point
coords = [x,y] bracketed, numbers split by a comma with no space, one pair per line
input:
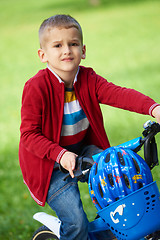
[69,59]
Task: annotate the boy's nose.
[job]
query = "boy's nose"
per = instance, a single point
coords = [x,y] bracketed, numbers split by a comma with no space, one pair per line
[67,49]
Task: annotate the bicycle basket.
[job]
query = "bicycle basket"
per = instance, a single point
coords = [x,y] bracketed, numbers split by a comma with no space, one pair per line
[134,216]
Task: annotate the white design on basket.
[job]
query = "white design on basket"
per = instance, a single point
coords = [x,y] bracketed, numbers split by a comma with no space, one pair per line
[118,210]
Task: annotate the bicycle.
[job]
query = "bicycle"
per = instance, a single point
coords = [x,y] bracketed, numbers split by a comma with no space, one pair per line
[108,220]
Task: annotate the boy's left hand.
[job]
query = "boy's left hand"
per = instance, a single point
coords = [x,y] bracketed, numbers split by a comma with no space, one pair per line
[156,113]
[68,161]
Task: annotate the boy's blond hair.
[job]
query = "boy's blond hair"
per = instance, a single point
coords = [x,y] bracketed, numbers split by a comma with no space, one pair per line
[60,21]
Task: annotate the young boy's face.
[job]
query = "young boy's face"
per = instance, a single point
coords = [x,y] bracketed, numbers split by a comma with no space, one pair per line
[62,50]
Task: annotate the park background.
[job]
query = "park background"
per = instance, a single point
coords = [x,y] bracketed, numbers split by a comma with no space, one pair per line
[123,45]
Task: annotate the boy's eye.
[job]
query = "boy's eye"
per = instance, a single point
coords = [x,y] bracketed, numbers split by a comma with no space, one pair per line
[57,45]
[74,44]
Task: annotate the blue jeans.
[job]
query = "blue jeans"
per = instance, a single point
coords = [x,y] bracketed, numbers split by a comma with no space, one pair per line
[64,198]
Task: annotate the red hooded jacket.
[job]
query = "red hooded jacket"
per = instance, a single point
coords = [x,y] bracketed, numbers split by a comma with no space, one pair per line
[42,114]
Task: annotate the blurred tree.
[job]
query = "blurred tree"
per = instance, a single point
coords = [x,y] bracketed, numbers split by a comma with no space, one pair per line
[95,2]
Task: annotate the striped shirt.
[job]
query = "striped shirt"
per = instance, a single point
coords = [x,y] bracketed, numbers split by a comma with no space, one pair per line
[75,123]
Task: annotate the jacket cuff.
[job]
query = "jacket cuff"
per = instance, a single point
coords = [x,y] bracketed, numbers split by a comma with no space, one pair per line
[60,155]
[56,153]
[153,107]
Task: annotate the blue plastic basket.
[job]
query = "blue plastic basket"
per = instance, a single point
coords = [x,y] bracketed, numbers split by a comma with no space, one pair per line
[134,216]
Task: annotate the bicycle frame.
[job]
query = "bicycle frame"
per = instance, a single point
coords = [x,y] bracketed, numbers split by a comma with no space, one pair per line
[99,225]
[94,227]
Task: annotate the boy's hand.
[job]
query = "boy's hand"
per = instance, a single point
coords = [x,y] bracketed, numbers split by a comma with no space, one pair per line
[156,113]
[68,161]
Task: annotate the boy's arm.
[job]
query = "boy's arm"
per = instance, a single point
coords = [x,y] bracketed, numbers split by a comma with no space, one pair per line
[124,98]
[32,138]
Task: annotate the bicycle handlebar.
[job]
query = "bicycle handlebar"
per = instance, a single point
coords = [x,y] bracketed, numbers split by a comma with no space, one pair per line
[84,164]
[149,142]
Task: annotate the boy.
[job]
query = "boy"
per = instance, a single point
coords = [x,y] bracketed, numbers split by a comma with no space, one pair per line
[61,118]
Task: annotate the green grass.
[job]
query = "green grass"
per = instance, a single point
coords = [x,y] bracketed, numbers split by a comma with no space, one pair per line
[122,40]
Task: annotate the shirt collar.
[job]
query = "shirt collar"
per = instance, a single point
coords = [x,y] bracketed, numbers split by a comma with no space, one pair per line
[59,79]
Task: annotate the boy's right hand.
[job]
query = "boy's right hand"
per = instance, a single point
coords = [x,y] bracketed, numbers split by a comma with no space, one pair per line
[68,161]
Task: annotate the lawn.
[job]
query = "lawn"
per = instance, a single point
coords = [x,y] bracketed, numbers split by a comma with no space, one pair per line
[122,40]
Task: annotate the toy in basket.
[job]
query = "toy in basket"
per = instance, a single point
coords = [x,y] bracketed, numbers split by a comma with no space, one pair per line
[122,188]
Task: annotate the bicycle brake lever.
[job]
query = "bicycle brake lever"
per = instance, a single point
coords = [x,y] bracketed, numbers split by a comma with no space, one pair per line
[77,173]
[67,176]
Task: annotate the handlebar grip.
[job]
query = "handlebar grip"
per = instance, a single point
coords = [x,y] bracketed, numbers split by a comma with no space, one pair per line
[83,165]
[150,147]
[150,153]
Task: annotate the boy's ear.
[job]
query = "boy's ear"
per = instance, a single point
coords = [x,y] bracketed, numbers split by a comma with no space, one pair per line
[42,55]
[84,52]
